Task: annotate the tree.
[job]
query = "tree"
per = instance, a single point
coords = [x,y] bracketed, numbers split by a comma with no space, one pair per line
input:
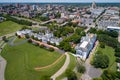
[113,34]
[27,36]
[70,74]
[65,45]
[92,30]
[117,54]
[100,61]
[97,78]
[117,60]
[117,49]
[109,75]
[102,45]
[73,50]
[25,27]
[110,41]
[75,38]
[79,30]
[58,15]
[42,18]
[4,39]
[57,34]
[23,22]
[72,24]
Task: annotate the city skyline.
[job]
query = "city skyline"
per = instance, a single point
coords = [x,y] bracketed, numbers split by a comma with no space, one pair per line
[60,1]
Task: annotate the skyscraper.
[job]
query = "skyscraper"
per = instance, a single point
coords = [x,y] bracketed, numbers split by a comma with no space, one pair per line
[93,5]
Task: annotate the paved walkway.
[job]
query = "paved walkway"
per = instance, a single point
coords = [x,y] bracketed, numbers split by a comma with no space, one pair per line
[2,64]
[2,68]
[91,72]
[11,41]
[63,68]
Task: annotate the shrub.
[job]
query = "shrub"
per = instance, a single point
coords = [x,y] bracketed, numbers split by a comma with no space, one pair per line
[51,49]
[42,46]
[81,68]
[30,41]
[36,44]
[70,74]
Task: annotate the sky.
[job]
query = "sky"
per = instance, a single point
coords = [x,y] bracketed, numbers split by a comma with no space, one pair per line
[68,1]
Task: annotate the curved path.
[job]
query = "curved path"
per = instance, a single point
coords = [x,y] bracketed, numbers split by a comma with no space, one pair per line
[38,68]
[3,63]
[2,68]
[63,68]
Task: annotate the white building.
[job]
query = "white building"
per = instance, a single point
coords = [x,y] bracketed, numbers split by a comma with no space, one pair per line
[85,46]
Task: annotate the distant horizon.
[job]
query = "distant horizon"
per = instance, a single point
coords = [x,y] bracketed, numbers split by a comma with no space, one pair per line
[59,1]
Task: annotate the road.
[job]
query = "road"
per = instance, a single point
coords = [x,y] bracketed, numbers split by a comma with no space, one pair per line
[64,24]
[86,30]
[19,18]
[48,21]
[63,68]
[91,72]
[37,22]
[101,15]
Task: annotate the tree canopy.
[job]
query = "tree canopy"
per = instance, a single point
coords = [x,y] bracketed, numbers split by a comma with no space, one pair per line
[100,61]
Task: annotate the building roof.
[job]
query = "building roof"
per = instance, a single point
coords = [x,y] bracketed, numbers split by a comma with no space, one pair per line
[112,27]
[84,44]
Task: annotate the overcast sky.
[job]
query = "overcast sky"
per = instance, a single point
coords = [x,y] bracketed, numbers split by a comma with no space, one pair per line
[59,1]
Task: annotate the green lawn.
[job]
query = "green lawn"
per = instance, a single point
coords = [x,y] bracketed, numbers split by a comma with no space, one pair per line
[22,59]
[17,40]
[109,51]
[71,66]
[9,27]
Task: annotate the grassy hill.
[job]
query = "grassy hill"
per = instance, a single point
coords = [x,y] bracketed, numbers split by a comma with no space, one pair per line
[9,27]
[22,59]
